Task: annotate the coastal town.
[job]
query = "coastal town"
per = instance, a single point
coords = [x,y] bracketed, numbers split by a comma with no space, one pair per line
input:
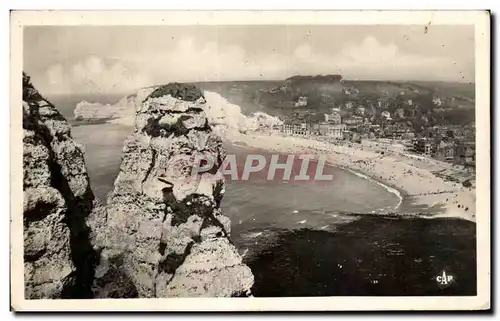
[423,125]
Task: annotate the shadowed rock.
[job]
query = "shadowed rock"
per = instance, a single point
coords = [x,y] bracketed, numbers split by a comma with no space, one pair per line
[58,258]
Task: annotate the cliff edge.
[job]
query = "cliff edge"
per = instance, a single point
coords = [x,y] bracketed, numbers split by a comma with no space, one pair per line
[164,234]
[58,258]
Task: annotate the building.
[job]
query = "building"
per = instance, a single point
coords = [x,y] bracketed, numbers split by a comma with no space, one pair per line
[429,149]
[409,135]
[300,129]
[385,114]
[300,114]
[348,105]
[440,131]
[437,101]
[301,102]
[423,146]
[361,111]
[353,120]
[287,128]
[347,135]
[375,129]
[465,153]
[333,118]
[400,113]
[445,151]
[323,128]
[351,136]
[336,131]
[402,134]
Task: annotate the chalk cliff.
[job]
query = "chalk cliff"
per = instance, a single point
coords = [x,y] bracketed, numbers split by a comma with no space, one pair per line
[58,258]
[228,120]
[164,234]
[225,118]
[122,112]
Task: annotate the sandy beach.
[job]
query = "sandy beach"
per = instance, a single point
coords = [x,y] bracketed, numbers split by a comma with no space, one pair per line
[429,188]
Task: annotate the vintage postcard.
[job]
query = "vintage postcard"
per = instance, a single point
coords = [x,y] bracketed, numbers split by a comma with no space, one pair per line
[250,161]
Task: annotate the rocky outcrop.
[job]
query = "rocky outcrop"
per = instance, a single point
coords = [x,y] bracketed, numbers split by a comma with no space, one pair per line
[164,234]
[58,258]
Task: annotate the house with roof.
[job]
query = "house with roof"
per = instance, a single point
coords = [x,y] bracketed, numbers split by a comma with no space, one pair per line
[445,151]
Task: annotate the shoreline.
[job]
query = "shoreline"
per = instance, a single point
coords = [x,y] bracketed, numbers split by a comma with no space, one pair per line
[391,189]
[388,187]
[412,179]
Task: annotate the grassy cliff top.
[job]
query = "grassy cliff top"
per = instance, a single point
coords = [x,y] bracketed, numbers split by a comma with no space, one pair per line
[177,90]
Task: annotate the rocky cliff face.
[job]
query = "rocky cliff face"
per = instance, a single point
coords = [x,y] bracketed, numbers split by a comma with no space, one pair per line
[58,258]
[164,234]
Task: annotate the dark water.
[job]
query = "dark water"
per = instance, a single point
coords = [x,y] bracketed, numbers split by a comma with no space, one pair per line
[103,149]
[260,204]
[373,255]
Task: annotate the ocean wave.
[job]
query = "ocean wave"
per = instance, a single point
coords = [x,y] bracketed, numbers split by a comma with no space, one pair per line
[387,187]
[252,235]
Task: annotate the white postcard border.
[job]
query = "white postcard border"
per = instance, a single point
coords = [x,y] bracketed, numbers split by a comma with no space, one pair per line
[481,21]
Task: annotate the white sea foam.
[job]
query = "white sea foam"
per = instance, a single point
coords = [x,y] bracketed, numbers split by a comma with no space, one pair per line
[253,235]
[388,188]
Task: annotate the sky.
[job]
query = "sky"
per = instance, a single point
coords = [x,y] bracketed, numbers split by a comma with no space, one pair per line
[121,59]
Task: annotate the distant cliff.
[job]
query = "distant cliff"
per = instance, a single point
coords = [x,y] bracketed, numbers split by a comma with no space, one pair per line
[58,258]
[313,85]
[164,234]
[122,112]
[226,119]
[321,92]
[319,79]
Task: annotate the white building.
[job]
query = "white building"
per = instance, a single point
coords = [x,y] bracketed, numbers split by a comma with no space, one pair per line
[386,115]
[336,131]
[361,110]
[334,118]
[301,102]
[437,101]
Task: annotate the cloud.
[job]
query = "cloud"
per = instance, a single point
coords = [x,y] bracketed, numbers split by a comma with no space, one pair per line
[92,75]
[189,60]
[370,59]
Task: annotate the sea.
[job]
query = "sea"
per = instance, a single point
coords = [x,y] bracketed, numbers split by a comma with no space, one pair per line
[341,237]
